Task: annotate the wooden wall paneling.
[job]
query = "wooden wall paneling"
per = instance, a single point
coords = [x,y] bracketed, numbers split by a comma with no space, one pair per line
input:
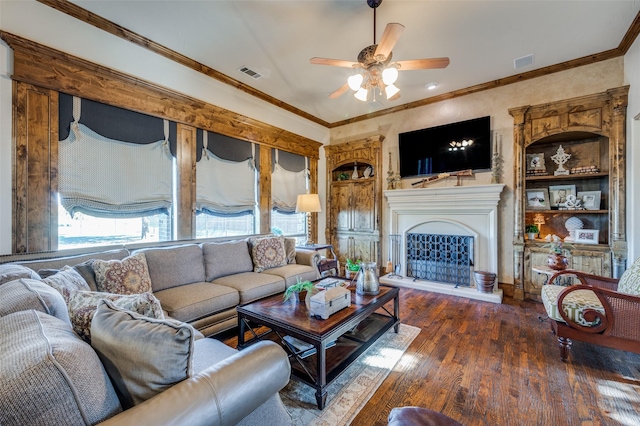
[35,213]
[313,189]
[53,69]
[265,191]
[186,184]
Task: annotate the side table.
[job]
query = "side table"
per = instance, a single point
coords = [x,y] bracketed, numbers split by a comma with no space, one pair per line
[564,280]
[326,267]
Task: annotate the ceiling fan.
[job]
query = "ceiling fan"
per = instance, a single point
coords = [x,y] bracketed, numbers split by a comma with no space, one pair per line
[375,61]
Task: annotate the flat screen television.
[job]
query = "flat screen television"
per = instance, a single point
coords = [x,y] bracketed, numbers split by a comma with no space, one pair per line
[444,149]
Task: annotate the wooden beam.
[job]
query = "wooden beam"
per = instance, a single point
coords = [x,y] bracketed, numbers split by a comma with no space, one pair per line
[49,68]
[185,207]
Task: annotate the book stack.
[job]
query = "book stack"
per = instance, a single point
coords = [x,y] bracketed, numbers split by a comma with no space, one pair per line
[303,349]
[537,173]
[584,170]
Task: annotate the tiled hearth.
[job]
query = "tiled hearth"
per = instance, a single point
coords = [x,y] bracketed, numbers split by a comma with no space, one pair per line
[458,210]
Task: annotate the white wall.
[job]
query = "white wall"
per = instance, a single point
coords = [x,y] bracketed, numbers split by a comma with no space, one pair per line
[632,77]
[47,26]
[496,102]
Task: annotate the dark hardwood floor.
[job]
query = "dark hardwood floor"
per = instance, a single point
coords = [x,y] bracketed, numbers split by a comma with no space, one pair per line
[488,364]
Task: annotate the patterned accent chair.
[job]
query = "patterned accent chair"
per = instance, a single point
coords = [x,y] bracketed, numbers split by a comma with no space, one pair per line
[600,310]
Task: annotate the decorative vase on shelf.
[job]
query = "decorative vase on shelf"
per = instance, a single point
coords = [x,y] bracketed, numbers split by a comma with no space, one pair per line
[355,172]
[557,261]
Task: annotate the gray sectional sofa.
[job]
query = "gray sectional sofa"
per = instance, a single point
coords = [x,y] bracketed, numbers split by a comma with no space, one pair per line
[201,283]
[48,375]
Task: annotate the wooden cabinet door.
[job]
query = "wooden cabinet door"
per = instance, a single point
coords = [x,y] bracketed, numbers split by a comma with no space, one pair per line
[341,214]
[592,263]
[365,247]
[363,206]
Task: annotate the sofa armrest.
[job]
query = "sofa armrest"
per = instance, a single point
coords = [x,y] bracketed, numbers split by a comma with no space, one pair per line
[307,257]
[223,394]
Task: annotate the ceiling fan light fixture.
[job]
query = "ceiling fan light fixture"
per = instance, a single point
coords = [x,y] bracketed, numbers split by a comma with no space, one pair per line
[391,90]
[361,94]
[355,82]
[389,75]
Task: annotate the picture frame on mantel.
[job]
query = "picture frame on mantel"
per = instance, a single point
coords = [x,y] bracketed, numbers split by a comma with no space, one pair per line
[590,199]
[538,199]
[587,236]
[559,194]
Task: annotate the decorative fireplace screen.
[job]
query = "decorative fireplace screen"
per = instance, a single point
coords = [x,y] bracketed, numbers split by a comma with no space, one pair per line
[440,258]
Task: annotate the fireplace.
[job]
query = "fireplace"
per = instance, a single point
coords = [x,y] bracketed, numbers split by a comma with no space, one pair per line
[440,258]
[469,212]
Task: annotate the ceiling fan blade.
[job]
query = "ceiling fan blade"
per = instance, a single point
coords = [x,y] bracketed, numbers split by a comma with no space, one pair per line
[339,92]
[334,62]
[423,64]
[389,39]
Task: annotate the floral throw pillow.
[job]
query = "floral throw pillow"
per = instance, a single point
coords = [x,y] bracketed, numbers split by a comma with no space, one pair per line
[66,281]
[83,304]
[268,253]
[127,276]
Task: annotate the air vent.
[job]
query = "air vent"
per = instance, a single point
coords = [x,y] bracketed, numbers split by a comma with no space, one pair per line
[525,61]
[251,73]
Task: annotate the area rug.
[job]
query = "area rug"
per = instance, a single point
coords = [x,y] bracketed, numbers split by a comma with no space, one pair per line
[350,392]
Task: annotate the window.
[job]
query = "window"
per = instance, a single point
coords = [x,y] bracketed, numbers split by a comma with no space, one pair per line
[84,230]
[209,225]
[289,224]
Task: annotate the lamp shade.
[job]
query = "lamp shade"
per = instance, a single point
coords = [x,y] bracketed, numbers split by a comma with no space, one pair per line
[391,90]
[361,94]
[308,203]
[355,81]
[389,75]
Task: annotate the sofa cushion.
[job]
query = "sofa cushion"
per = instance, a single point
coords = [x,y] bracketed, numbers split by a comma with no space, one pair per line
[10,272]
[66,281]
[190,302]
[290,249]
[252,286]
[228,258]
[49,376]
[207,352]
[143,356]
[174,266]
[573,305]
[83,305]
[127,276]
[25,294]
[630,280]
[267,252]
[85,269]
[291,273]
[59,262]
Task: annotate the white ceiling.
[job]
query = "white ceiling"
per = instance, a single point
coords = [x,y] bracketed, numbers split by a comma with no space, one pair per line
[277,38]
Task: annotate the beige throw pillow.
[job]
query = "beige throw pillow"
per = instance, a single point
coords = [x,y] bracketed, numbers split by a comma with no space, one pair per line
[10,272]
[127,276]
[66,281]
[290,247]
[267,253]
[83,305]
[143,356]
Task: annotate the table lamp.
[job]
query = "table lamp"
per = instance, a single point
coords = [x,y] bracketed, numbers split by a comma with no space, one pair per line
[538,219]
[308,203]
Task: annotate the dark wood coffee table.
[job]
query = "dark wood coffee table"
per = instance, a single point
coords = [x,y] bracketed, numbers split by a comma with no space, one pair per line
[354,329]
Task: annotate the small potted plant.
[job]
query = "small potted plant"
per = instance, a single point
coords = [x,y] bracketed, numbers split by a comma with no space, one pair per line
[298,289]
[351,268]
[532,231]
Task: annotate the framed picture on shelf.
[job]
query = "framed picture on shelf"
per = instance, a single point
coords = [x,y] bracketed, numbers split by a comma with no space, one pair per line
[538,199]
[535,162]
[590,199]
[558,194]
[587,236]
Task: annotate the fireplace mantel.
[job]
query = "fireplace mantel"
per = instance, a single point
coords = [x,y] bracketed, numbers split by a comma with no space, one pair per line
[467,210]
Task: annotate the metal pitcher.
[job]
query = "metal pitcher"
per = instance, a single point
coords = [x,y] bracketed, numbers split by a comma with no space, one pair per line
[367,283]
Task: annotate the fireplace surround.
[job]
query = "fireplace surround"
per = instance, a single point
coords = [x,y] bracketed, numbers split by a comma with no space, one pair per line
[460,210]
